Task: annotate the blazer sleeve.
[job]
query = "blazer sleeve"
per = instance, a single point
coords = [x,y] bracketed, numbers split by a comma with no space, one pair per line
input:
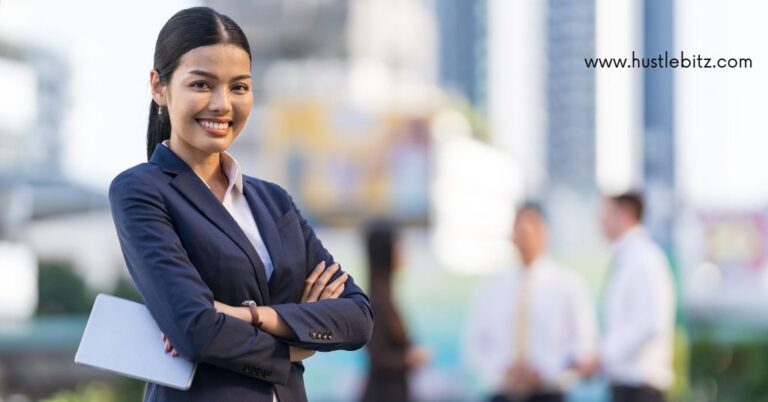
[175,294]
[344,323]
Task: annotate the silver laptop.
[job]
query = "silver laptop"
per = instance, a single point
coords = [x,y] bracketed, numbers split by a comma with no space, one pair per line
[122,337]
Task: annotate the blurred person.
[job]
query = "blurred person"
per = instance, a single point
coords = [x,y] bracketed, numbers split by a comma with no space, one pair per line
[233,274]
[638,306]
[392,356]
[531,333]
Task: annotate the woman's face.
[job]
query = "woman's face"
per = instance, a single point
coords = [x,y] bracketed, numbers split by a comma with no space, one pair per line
[209,97]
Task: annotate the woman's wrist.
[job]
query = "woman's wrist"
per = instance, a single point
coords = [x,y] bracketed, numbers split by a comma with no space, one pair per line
[241,313]
[253,313]
[273,324]
[266,314]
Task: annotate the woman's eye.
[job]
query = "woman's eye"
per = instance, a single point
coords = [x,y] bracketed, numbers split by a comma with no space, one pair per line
[200,85]
[240,88]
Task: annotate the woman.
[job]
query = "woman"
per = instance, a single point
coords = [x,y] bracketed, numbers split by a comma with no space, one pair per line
[227,266]
[391,355]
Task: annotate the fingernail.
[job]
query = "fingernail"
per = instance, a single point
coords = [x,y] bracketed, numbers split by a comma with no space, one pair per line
[322,263]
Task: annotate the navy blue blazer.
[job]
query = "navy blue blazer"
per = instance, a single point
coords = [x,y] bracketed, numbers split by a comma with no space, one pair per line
[183,250]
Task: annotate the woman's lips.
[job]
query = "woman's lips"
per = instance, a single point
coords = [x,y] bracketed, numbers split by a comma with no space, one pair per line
[215,126]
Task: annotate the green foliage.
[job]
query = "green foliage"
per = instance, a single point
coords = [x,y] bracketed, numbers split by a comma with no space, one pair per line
[730,370]
[61,290]
[124,391]
[127,290]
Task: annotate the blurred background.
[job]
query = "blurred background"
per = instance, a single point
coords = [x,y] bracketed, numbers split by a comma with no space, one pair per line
[440,114]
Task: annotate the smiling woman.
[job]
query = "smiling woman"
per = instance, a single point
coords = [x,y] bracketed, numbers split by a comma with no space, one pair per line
[226,264]
[201,82]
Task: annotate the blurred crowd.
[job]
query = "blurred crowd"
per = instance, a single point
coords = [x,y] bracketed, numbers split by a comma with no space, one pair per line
[532,332]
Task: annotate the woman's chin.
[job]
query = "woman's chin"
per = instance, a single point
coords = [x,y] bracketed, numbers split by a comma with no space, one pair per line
[215,145]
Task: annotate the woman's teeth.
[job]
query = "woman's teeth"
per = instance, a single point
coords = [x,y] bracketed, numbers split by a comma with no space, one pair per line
[213,125]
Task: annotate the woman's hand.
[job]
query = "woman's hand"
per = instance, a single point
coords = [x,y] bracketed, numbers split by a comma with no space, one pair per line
[168,347]
[298,354]
[316,286]
[417,357]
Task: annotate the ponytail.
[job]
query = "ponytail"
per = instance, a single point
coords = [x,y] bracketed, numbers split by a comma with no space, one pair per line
[158,127]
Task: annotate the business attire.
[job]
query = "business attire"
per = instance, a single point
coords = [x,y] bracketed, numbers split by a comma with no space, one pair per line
[388,366]
[542,315]
[638,319]
[184,248]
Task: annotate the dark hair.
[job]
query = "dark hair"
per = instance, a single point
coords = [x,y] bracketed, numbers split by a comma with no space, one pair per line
[186,30]
[381,238]
[532,206]
[380,244]
[632,201]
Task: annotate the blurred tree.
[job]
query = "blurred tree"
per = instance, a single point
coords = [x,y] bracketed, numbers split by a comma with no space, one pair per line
[126,390]
[127,290]
[732,370]
[61,290]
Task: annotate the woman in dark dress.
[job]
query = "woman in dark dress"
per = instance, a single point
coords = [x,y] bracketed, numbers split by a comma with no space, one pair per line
[390,351]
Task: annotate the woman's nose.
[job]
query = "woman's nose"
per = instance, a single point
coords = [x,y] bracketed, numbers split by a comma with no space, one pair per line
[219,102]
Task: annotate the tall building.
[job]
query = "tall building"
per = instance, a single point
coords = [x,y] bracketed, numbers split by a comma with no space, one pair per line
[289,30]
[659,136]
[462,26]
[31,181]
[30,125]
[570,94]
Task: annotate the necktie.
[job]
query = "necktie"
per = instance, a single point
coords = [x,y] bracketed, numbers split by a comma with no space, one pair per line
[521,315]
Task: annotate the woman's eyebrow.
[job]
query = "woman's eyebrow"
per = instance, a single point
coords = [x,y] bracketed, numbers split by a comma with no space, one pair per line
[215,77]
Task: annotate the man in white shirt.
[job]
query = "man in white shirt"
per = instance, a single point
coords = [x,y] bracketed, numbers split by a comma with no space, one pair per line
[531,328]
[638,306]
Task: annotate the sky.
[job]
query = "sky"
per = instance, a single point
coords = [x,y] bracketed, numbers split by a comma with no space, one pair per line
[722,130]
[109,46]
[720,118]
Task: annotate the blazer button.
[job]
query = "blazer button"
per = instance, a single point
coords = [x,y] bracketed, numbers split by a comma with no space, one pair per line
[313,334]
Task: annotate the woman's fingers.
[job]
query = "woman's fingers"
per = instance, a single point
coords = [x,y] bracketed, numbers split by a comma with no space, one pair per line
[167,345]
[338,292]
[342,279]
[317,286]
[321,282]
[333,287]
[310,281]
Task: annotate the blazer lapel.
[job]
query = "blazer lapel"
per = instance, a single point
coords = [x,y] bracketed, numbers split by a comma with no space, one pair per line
[191,187]
[269,233]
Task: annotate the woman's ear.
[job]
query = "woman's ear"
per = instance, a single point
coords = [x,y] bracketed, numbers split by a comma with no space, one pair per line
[158,88]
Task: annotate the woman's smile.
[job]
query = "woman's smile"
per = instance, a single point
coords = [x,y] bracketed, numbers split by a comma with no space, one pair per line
[219,127]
